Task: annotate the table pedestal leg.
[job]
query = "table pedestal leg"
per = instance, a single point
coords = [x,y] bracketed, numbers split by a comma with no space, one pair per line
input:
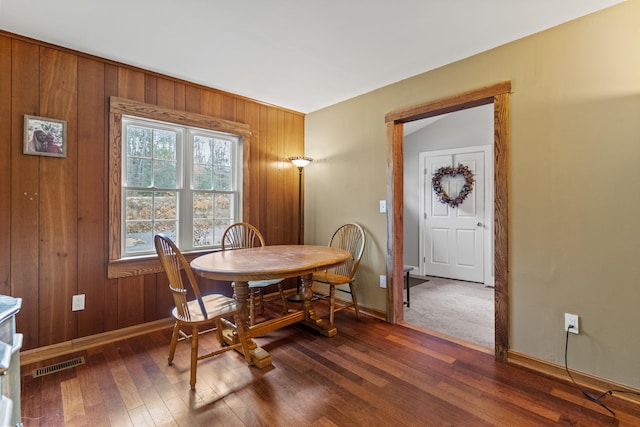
[258,356]
[310,318]
[307,316]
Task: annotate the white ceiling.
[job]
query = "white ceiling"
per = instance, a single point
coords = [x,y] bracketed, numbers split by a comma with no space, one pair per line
[299,54]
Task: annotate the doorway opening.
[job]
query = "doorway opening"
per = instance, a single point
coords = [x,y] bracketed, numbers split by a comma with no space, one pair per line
[449,247]
[498,95]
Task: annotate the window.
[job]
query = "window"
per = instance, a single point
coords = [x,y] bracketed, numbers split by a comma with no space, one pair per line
[170,172]
[178,181]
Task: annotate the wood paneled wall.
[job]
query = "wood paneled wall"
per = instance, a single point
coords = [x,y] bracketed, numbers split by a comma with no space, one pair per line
[53,211]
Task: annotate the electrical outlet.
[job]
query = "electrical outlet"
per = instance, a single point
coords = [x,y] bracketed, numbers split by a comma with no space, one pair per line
[571,320]
[77,302]
[383,281]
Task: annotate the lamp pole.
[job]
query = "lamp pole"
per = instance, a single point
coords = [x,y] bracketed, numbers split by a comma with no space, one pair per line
[300,163]
[300,168]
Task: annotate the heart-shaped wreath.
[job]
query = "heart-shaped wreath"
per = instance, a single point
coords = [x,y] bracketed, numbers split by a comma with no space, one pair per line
[442,195]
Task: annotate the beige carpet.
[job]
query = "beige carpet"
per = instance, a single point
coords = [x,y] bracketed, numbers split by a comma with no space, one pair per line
[464,310]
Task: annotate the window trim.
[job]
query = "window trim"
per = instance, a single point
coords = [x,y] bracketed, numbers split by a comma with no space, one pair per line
[132,266]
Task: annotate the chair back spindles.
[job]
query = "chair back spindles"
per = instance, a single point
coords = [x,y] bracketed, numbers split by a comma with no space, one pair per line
[349,237]
[181,303]
[241,235]
[175,264]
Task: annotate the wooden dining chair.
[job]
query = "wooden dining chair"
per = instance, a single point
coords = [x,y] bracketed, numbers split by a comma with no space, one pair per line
[208,311]
[243,235]
[351,238]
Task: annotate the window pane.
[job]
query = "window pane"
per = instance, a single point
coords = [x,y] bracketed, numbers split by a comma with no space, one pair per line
[139,205]
[202,205]
[202,148]
[224,214]
[139,237]
[202,176]
[164,145]
[165,165]
[224,207]
[165,174]
[139,172]
[222,179]
[212,214]
[202,233]
[149,213]
[166,205]
[138,141]
[222,158]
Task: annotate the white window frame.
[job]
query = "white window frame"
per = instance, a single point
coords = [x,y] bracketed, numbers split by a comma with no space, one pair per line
[184,187]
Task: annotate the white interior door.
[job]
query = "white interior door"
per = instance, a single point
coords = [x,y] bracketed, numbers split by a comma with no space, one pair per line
[453,238]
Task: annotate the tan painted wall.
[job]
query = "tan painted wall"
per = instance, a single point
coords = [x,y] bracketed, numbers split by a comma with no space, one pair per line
[574,183]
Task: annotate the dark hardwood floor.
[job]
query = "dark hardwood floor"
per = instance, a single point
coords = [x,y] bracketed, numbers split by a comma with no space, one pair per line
[370,374]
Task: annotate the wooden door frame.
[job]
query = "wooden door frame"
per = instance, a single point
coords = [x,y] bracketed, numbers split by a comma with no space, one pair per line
[498,95]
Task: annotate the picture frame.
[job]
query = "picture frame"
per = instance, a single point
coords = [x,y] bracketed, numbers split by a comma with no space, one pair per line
[45,137]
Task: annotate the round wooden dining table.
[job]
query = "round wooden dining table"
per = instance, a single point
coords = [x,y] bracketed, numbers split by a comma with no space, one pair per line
[271,262]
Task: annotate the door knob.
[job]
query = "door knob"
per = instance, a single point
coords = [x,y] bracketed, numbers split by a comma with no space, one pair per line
[479,224]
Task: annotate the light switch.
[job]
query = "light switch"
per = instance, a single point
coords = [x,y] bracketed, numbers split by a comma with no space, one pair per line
[383,281]
[383,206]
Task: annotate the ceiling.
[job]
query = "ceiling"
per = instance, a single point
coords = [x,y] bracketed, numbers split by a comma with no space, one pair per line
[303,55]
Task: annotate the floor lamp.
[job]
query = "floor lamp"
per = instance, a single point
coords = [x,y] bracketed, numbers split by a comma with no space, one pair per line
[300,163]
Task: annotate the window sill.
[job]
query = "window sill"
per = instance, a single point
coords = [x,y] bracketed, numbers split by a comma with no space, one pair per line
[137,266]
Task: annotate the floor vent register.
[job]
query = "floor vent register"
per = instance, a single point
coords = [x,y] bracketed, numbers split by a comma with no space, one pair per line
[46,370]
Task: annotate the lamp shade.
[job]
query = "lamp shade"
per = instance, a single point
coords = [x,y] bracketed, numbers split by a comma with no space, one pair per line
[300,162]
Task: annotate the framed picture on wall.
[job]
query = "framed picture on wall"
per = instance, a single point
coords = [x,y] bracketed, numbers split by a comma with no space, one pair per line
[45,137]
